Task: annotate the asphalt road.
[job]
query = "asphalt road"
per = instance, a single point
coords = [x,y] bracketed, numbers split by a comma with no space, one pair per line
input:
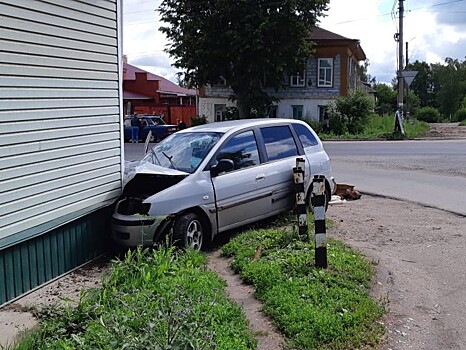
[432,173]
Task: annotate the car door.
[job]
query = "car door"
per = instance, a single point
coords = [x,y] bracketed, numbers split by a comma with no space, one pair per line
[239,195]
[281,152]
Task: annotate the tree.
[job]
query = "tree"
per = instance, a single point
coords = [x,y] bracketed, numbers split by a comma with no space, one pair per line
[242,42]
[450,88]
[423,84]
[386,99]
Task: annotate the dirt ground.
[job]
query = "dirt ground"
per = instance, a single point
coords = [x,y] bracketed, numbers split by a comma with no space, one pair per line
[445,131]
[420,262]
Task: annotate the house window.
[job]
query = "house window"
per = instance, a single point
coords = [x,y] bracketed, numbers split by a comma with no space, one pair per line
[297,112]
[220,110]
[325,69]
[323,115]
[297,80]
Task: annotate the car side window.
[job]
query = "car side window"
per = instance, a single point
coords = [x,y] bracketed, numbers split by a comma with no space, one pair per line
[305,135]
[279,142]
[241,149]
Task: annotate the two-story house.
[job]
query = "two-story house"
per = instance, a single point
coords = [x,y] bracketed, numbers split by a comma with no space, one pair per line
[330,72]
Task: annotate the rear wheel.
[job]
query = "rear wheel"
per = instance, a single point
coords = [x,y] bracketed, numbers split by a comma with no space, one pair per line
[189,232]
[328,197]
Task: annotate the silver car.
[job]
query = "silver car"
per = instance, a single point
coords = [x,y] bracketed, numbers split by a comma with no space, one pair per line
[208,179]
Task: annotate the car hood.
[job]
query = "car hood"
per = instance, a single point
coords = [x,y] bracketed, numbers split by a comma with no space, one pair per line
[144,179]
[138,167]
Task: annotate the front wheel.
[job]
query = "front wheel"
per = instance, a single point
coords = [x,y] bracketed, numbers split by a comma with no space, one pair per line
[188,231]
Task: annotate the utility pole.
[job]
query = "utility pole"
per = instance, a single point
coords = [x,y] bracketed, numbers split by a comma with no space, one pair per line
[399,38]
[407,59]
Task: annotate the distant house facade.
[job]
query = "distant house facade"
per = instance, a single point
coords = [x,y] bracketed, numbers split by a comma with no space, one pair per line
[330,72]
[147,93]
[60,136]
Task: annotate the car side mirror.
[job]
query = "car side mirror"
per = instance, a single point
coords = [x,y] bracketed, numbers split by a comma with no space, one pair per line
[222,166]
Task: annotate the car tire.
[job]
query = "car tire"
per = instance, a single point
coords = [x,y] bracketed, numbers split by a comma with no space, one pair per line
[189,232]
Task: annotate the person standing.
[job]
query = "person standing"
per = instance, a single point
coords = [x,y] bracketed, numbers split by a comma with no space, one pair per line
[135,129]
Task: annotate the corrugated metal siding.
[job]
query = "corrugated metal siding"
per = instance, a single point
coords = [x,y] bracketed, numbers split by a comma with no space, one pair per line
[60,149]
[31,263]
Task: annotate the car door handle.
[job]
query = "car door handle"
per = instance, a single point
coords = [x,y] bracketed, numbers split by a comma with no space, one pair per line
[260,177]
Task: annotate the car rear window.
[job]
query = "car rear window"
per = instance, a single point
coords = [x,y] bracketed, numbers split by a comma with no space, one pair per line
[305,135]
[279,142]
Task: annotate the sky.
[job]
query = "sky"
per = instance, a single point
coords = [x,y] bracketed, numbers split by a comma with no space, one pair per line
[434,30]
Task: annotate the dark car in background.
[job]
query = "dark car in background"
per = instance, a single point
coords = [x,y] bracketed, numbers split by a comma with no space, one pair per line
[147,123]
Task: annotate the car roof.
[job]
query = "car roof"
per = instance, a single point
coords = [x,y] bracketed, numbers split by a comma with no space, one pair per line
[231,125]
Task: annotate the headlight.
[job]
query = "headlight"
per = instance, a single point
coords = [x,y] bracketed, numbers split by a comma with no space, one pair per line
[131,206]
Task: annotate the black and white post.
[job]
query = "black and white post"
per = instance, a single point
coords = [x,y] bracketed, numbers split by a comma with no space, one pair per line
[318,203]
[300,199]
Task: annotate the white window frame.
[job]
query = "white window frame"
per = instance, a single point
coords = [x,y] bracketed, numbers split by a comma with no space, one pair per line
[298,79]
[325,73]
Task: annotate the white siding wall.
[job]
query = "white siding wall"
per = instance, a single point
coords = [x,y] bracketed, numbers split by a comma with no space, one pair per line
[60,142]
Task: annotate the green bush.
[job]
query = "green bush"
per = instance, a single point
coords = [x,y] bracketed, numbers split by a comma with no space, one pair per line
[429,115]
[316,126]
[460,115]
[198,120]
[350,113]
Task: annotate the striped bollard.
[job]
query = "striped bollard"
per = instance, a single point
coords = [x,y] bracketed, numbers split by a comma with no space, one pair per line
[318,204]
[300,199]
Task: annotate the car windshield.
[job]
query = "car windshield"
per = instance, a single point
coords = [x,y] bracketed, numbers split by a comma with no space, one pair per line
[158,121]
[183,151]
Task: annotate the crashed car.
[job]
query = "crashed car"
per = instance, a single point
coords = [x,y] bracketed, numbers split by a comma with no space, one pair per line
[211,178]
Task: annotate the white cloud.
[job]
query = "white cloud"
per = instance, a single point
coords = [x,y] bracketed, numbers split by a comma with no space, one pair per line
[435,29]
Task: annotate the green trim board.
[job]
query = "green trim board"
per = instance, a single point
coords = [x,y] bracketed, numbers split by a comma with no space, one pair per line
[28,234]
[29,264]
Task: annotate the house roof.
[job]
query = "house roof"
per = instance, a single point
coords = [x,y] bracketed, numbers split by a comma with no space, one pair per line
[321,36]
[130,95]
[165,85]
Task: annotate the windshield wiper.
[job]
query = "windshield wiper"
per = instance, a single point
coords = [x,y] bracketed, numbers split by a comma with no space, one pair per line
[169,159]
[154,155]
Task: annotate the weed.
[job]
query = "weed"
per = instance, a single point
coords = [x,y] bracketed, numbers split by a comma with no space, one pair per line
[382,127]
[152,299]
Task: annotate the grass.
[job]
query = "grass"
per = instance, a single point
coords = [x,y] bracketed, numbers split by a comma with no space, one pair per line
[315,308]
[463,123]
[153,299]
[166,299]
[381,127]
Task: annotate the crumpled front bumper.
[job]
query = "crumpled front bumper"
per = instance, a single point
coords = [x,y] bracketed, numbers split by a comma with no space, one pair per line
[135,230]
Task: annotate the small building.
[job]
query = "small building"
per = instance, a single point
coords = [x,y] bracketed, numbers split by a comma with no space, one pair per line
[330,72]
[60,136]
[147,93]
